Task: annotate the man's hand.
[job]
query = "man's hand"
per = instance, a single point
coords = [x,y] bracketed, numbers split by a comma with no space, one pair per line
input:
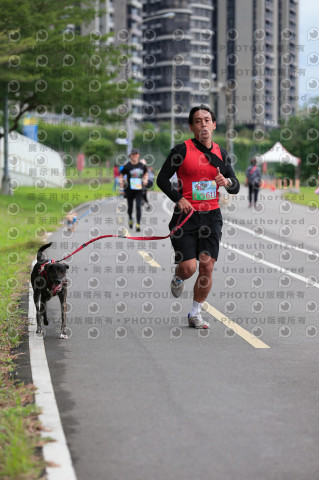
[184,205]
[220,179]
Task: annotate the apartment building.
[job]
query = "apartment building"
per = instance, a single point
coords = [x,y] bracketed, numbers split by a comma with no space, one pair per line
[257,60]
[240,56]
[177,58]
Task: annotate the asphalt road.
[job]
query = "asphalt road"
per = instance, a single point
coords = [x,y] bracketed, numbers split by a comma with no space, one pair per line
[142,396]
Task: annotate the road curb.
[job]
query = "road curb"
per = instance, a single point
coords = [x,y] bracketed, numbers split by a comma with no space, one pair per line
[56,453]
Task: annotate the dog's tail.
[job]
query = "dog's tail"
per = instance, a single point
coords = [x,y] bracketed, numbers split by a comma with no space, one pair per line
[40,257]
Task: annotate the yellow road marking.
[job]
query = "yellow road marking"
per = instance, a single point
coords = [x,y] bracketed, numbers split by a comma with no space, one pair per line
[249,337]
[148,258]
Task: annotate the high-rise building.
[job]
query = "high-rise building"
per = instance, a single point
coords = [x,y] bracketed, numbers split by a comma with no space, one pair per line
[177,58]
[240,56]
[256,60]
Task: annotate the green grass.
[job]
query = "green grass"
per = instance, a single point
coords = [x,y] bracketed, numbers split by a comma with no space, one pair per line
[26,217]
[104,174]
[307,196]
[18,444]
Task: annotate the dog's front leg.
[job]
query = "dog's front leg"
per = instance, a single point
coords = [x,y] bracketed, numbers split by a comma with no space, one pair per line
[36,298]
[43,309]
[62,297]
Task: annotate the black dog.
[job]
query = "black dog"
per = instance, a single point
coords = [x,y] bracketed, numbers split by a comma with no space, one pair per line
[48,278]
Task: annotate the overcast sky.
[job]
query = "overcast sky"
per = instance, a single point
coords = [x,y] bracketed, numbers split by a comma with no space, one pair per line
[309,57]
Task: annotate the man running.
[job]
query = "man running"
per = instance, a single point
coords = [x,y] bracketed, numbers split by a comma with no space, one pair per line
[135,172]
[201,167]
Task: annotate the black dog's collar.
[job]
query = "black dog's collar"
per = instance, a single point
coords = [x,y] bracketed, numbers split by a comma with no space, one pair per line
[57,289]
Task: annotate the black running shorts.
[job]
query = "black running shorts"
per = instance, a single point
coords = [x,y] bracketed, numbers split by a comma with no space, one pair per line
[200,234]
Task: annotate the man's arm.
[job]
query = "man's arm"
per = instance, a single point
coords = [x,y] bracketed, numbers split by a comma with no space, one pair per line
[121,179]
[145,175]
[232,186]
[169,167]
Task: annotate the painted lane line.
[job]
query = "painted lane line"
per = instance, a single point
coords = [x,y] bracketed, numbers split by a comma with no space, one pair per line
[272,265]
[56,453]
[247,255]
[149,258]
[249,337]
[272,240]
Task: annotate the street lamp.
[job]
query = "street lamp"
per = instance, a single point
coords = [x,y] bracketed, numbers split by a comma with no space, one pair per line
[177,60]
[128,121]
[227,89]
[5,184]
[229,119]
[172,104]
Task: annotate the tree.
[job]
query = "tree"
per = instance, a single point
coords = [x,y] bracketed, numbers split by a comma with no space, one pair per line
[98,151]
[300,138]
[45,65]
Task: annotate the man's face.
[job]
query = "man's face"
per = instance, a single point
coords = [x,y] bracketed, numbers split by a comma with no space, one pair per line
[134,157]
[203,126]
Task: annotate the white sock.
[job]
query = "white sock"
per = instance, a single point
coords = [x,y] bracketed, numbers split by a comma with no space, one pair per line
[196,308]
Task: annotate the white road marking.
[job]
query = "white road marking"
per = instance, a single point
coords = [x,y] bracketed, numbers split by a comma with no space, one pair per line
[57,452]
[272,265]
[272,240]
[251,257]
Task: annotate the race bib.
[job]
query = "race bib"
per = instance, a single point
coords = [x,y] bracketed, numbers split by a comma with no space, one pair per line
[204,190]
[135,183]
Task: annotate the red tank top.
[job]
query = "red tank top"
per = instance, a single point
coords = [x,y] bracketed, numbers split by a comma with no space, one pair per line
[197,177]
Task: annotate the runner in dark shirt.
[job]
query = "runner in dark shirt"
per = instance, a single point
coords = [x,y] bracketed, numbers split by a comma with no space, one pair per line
[135,172]
[253,180]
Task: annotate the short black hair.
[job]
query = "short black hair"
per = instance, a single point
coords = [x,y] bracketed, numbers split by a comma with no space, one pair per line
[200,107]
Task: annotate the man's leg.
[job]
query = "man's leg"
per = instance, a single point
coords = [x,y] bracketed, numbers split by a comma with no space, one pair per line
[250,187]
[204,280]
[202,288]
[183,271]
[256,195]
[130,198]
[138,199]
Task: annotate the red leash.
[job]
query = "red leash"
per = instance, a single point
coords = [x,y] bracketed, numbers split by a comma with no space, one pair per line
[178,226]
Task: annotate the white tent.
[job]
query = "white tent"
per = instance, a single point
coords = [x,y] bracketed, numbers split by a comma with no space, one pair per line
[278,153]
[31,163]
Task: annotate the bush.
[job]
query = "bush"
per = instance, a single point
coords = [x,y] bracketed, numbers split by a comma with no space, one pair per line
[97,153]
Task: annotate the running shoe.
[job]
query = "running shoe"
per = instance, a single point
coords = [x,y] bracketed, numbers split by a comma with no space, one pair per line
[138,228]
[130,223]
[197,322]
[177,287]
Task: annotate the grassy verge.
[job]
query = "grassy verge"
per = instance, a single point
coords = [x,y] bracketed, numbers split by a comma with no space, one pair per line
[307,196]
[26,218]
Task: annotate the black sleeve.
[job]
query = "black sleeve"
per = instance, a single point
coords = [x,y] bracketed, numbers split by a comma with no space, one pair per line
[169,167]
[229,173]
[123,171]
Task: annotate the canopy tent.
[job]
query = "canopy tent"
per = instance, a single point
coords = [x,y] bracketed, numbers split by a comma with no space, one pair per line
[277,153]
